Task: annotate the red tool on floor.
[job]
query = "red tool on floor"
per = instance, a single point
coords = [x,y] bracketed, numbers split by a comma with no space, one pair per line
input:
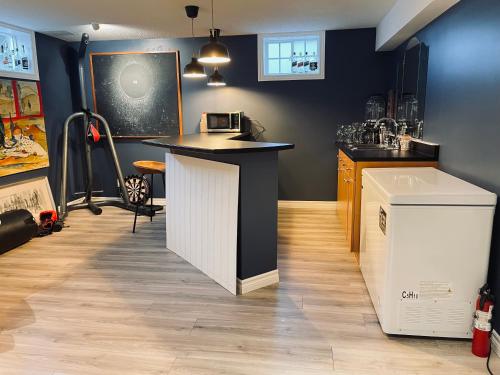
[482,322]
[49,222]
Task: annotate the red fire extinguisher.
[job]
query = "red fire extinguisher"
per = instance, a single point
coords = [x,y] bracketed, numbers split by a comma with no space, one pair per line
[482,322]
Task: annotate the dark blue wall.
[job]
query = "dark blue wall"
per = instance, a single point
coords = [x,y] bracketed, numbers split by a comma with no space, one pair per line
[53,64]
[463,99]
[302,112]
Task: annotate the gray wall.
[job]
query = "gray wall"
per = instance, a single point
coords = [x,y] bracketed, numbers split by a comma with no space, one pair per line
[302,112]
[463,99]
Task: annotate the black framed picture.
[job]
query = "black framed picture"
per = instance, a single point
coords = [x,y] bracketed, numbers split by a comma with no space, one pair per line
[138,93]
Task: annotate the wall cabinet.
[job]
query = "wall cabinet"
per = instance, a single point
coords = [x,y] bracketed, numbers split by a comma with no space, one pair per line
[349,191]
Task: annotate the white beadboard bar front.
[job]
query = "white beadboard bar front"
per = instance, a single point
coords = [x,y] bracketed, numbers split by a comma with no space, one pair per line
[202,216]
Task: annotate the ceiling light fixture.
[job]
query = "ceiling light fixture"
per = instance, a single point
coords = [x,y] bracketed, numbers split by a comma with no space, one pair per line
[214,52]
[216,79]
[194,69]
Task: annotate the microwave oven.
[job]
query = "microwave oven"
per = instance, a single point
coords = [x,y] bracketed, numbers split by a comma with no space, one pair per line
[222,122]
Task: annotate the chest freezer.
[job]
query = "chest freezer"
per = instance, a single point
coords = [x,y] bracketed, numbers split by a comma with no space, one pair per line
[425,245]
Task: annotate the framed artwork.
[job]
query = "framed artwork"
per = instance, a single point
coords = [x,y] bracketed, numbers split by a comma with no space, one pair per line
[33,195]
[28,98]
[18,57]
[138,93]
[23,139]
[7,102]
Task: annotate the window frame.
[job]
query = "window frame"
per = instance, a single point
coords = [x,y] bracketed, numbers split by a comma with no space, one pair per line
[261,55]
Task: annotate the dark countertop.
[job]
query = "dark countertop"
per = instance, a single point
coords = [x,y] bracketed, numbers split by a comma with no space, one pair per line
[216,143]
[418,152]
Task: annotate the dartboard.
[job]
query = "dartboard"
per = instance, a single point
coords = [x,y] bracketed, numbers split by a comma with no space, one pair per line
[138,189]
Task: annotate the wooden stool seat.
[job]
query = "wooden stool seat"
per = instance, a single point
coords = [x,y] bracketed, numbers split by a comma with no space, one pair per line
[149,167]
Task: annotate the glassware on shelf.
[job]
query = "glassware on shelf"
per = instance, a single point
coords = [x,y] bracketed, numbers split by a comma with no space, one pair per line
[375,108]
[408,109]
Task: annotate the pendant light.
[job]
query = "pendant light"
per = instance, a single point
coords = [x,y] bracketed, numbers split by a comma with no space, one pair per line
[214,52]
[216,79]
[194,69]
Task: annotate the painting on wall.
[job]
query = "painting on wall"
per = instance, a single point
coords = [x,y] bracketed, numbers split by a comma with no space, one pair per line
[28,98]
[23,139]
[33,195]
[7,103]
[139,94]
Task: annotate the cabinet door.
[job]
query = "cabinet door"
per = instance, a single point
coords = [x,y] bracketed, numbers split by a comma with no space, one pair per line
[342,192]
[350,191]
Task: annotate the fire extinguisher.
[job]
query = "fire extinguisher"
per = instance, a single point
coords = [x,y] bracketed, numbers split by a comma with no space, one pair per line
[482,322]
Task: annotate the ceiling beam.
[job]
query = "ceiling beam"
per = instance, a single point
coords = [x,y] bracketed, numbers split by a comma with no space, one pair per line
[406,18]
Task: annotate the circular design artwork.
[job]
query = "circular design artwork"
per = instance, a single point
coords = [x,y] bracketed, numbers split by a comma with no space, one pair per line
[136,80]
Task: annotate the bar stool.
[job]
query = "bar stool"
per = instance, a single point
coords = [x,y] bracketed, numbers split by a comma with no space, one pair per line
[145,167]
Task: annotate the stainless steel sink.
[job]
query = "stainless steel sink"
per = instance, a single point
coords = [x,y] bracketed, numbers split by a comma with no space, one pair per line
[370,147]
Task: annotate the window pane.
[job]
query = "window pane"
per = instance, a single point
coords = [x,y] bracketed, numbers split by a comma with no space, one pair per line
[286,66]
[312,47]
[285,49]
[273,50]
[288,55]
[273,66]
[299,47]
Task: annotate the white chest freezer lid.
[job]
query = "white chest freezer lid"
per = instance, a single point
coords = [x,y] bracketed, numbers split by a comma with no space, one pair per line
[427,186]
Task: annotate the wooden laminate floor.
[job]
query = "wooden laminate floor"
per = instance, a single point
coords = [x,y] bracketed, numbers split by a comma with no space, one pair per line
[96,299]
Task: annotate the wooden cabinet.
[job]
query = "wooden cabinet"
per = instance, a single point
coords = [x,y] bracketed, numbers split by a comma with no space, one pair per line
[345,194]
[349,191]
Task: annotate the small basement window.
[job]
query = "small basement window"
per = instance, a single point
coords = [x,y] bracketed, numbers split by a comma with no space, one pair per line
[291,56]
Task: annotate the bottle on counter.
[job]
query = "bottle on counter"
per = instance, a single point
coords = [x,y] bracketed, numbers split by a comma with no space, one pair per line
[313,62]
[25,62]
[17,59]
[294,63]
[6,58]
[300,63]
[306,63]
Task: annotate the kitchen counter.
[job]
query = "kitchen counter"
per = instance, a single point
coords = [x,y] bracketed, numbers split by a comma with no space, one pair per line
[222,206]
[419,151]
[350,167]
[216,143]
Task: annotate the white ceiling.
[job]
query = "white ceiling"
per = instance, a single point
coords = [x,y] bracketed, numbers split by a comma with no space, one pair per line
[137,19]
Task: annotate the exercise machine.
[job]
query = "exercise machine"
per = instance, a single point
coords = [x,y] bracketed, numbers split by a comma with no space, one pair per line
[88,118]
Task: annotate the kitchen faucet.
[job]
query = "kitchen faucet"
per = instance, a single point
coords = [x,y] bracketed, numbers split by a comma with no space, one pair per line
[385,135]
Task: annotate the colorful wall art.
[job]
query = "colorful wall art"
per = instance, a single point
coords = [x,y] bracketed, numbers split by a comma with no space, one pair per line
[23,140]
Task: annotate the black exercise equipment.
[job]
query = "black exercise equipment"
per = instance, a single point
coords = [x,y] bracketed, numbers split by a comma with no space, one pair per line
[89,119]
[16,228]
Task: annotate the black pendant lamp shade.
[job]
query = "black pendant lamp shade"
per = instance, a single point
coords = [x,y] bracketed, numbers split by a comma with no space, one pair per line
[194,69]
[216,79]
[214,52]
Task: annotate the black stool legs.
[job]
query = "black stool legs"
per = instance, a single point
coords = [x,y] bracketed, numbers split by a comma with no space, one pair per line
[152,195]
[151,203]
[136,211]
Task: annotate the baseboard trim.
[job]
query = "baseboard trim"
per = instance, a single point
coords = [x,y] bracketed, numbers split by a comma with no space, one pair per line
[308,204]
[160,201]
[495,343]
[257,282]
